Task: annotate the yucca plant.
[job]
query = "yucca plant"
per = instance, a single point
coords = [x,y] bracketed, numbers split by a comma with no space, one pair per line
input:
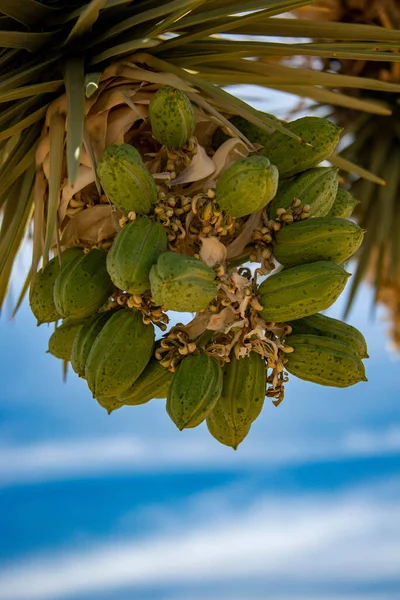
[374,143]
[72,72]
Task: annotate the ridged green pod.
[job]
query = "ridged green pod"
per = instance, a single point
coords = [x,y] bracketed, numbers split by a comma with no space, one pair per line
[41,299]
[219,424]
[181,282]
[246,186]
[126,181]
[252,132]
[109,403]
[152,383]
[85,338]
[343,205]
[333,328]
[83,285]
[316,187]
[290,156]
[325,361]
[301,291]
[62,339]
[241,400]
[324,238]
[171,117]
[119,354]
[194,390]
[135,250]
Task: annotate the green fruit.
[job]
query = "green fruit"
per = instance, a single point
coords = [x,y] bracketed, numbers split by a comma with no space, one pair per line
[343,205]
[246,186]
[41,298]
[171,117]
[301,291]
[182,283]
[62,340]
[85,338]
[325,361]
[290,156]
[333,328]
[135,250]
[126,181]
[83,285]
[110,403]
[220,426]
[324,238]
[241,400]
[152,383]
[316,187]
[119,353]
[194,390]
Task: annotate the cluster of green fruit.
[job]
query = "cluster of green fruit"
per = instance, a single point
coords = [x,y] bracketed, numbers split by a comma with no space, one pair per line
[210,370]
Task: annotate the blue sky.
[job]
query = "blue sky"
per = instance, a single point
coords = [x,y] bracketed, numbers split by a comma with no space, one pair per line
[125,506]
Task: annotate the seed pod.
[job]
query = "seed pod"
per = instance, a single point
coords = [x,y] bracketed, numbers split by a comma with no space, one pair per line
[316,187]
[241,400]
[333,328]
[182,283]
[194,390]
[324,238]
[246,186]
[85,339]
[152,383]
[320,138]
[301,291]
[343,205]
[110,403]
[41,298]
[62,340]
[324,361]
[171,117]
[119,354]
[83,285]
[126,181]
[135,250]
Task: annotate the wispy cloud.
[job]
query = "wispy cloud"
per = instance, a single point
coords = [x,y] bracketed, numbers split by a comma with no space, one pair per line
[351,539]
[59,460]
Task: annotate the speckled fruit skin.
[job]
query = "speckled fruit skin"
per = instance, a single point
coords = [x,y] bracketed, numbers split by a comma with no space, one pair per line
[194,390]
[152,383]
[109,403]
[41,298]
[246,186]
[301,291]
[135,250]
[83,285]
[316,187]
[343,205]
[291,156]
[333,328]
[171,117]
[324,361]
[85,338]
[325,238]
[182,283]
[126,181]
[62,340]
[241,400]
[119,354]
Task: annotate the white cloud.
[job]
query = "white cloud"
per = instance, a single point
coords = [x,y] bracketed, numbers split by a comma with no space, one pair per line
[349,539]
[59,460]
